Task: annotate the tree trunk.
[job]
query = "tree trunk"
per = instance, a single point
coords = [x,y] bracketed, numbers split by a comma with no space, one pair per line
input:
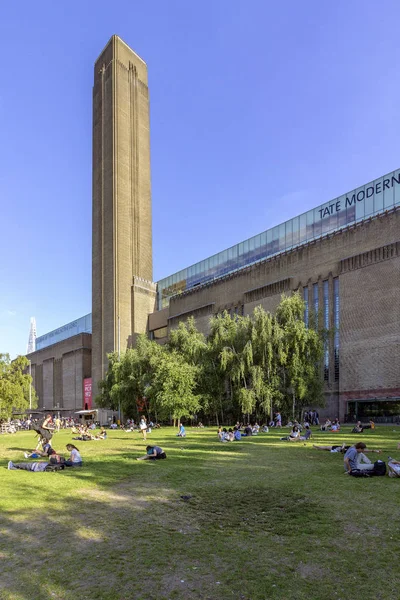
[294,405]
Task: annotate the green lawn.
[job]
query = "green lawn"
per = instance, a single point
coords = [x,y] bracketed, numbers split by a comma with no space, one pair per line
[266,520]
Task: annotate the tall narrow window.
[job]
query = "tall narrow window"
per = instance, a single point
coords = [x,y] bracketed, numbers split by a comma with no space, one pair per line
[316,303]
[336,317]
[305,298]
[326,327]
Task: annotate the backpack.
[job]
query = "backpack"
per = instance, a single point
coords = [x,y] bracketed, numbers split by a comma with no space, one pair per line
[379,468]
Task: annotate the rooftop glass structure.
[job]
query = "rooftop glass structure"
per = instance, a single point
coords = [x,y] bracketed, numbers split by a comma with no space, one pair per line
[366,201]
[82,325]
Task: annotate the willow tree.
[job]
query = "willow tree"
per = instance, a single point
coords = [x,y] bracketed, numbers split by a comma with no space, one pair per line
[266,340]
[300,357]
[129,377]
[230,340]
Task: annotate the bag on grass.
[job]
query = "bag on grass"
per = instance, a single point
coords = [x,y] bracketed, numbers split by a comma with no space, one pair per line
[379,468]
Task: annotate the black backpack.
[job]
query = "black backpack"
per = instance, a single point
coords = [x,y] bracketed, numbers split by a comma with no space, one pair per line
[378,471]
[379,468]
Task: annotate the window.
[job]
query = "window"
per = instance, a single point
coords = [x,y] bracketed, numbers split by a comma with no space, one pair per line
[316,303]
[336,317]
[326,328]
[305,298]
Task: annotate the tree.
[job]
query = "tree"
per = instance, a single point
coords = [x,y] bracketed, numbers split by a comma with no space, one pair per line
[129,377]
[300,357]
[14,386]
[173,386]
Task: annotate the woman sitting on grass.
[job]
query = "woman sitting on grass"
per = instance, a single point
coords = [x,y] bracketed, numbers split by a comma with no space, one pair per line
[294,435]
[302,438]
[153,453]
[75,459]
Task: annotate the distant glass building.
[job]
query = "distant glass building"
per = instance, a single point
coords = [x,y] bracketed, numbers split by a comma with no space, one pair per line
[81,325]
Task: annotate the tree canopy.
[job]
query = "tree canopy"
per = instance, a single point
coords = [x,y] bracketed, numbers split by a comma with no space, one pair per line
[246,366]
[14,386]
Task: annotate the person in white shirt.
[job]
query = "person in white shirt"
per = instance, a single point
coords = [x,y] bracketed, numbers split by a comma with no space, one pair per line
[75,459]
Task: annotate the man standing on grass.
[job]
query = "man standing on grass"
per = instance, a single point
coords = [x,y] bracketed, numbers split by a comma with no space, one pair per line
[352,459]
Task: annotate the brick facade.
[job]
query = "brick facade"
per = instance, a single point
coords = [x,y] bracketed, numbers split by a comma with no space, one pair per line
[122,236]
[366,260]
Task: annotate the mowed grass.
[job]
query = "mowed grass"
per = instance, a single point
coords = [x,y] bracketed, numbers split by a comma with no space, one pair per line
[266,519]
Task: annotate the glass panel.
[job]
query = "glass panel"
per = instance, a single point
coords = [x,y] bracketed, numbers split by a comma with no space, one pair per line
[360,198]
[378,197]
[303,228]
[296,231]
[396,186]
[388,192]
[289,234]
[317,222]
[310,224]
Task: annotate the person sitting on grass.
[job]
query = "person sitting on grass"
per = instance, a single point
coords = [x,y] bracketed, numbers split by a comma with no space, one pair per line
[224,437]
[353,457]
[102,435]
[327,425]
[153,453]
[45,451]
[302,438]
[248,430]
[236,434]
[75,459]
[359,428]
[182,431]
[293,435]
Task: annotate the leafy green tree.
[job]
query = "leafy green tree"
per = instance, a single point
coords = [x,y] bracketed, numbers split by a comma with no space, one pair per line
[14,386]
[129,377]
[300,357]
[174,385]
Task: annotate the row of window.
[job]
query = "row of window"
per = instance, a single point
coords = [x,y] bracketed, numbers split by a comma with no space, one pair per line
[363,202]
[324,318]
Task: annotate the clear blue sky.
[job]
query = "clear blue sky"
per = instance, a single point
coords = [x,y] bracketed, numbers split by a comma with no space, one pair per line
[259,111]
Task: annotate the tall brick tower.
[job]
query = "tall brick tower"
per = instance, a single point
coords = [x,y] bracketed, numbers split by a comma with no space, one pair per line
[122,289]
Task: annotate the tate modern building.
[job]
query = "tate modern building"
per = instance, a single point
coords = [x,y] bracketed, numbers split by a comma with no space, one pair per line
[343,257]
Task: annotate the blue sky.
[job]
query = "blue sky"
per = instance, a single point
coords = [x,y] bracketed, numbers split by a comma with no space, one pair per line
[259,111]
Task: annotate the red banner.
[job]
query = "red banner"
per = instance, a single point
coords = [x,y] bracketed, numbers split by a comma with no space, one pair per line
[87,393]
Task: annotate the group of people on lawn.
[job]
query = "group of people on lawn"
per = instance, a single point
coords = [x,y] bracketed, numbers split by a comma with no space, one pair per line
[355,459]
[44,449]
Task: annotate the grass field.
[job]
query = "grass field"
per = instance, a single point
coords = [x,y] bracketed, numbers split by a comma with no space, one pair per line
[266,519]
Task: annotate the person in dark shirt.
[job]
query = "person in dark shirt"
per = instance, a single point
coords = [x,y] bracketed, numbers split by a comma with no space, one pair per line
[153,453]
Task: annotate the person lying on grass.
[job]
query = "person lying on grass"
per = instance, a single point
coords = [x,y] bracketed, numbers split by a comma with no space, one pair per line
[393,467]
[36,467]
[153,453]
[75,459]
[342,448]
